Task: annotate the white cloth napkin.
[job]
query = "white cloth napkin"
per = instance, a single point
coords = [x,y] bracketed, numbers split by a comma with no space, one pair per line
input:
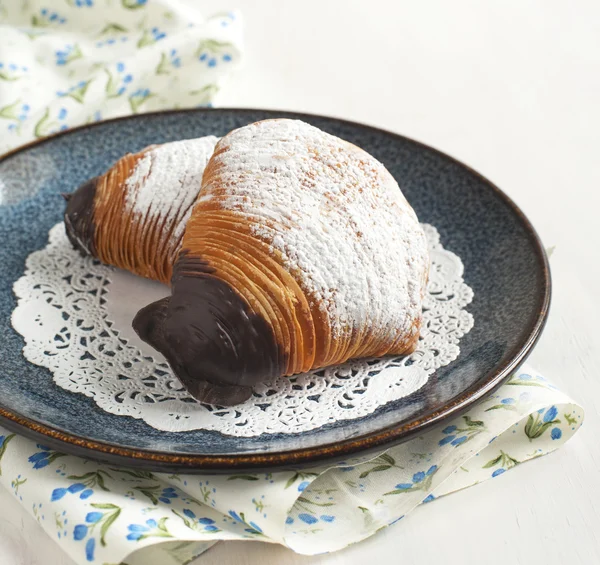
[67,62]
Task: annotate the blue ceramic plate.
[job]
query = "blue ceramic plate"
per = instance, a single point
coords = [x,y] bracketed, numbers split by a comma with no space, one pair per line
[505,265]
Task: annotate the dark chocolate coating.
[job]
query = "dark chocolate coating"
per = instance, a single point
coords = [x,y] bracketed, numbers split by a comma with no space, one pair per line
[215,346]
[79,217]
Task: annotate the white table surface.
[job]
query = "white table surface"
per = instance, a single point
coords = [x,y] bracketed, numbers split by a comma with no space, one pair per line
[511,88]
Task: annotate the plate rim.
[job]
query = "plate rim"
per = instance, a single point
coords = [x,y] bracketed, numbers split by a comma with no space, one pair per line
[386,437]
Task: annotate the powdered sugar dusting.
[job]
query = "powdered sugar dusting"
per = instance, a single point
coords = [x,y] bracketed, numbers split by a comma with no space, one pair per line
[166,180]
[336,215]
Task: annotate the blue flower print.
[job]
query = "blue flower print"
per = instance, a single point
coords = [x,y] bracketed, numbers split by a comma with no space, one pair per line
[44,457]
[118,82]
[536,426]
[307,518]
[428,499]
[138,530]
[89,549]
[75,488]
[327,518]
[303,485]
[76,92]
[151,528]
[138,98]
[93,517]
[498,472]
[550,414]
[79,532]
[12,71]
[167,494]
[45,18]
[194,523]
[209,51]
[255,529]
[235,516]
[420,481]
[151,36]
[168,62]
[67,54]
[289,520]
[157,34]
[84,3]
[556,433]
[456,436]
[112,41]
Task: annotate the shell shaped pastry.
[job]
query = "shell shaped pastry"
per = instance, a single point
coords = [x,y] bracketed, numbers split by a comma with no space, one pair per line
[134,215]
[301,252]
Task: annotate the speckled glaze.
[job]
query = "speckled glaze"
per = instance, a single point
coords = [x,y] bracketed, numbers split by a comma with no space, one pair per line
[505,265]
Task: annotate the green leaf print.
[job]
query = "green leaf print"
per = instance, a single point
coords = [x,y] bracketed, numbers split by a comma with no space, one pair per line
[243,477]
[150,491]
[493,462]
[501,407]
[16,483]
[473,423]
[73,54]
[138,98]
[526,380]
[205,94]
[146,39]
[4,441]
[36,21]
[299,475]
[570,420]
[112,86]
[44,125]
[92,479]
[78,94]
[10,112]
[113,29]
[504,460]
[535,427]
[211,45]
[136,474]
[5,76]
[132,4]
[383,462]
[304,500]
[107,520]
[164,65]
[420,481]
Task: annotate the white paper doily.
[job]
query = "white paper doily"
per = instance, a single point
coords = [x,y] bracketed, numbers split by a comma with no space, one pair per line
[75,315]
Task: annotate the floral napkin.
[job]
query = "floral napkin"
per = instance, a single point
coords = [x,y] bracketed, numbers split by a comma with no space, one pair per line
[104,514]
[68,62]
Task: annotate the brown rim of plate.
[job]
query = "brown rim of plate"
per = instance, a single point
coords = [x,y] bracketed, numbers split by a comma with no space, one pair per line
[306,456]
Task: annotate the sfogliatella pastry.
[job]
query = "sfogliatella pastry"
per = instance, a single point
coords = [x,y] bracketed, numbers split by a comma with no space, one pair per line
[134,216]
[300,252]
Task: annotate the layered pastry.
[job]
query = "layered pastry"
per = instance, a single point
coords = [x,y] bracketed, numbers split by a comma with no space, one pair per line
[134,215]
[296,251]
